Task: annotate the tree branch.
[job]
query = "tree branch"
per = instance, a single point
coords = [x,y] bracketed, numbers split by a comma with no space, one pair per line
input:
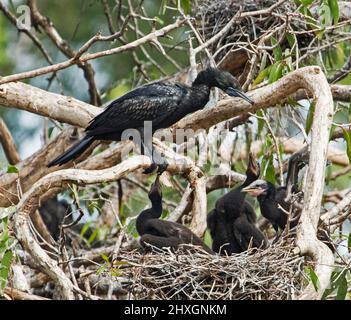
[8,144]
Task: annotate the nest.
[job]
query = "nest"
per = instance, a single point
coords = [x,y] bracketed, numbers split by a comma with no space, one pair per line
[274,273]
[212,16]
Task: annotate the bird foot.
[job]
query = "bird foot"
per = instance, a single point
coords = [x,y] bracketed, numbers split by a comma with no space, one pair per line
[150,169]
[161,167]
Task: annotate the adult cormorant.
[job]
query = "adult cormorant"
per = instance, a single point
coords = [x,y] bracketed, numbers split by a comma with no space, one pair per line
[232,221]
[162,233]
[161,102]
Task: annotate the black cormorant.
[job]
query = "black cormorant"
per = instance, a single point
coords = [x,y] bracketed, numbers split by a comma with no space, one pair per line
[232,221]
[272,199]
[272,202]
[161,102]
[161,233]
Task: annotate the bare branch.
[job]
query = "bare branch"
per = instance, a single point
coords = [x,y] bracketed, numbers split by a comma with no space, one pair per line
[80,60]
[8,144]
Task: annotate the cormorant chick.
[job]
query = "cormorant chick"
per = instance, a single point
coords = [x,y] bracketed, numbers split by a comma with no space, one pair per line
[270,199]
[162,233]
[232,221]
[56,212]
[161,102]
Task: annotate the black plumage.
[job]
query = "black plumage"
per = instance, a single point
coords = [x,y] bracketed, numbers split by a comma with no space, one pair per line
[161,102]
[272,199]
[55,213]
[232,221]
[161,233]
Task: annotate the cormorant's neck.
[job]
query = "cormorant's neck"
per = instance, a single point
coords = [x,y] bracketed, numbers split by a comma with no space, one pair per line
[152,213]
[157,207]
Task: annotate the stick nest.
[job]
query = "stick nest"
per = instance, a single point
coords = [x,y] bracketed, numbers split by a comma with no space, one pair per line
[274,273]
[212,16]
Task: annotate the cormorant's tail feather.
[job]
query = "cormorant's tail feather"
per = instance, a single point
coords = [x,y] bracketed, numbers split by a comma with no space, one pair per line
[73,152]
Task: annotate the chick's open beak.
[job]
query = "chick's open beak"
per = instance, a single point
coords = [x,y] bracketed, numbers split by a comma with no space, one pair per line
[238,93]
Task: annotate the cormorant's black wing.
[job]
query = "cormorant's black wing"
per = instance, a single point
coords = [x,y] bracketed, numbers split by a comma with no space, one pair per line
[280,196]
[246,232]
[172,229]
[154,102]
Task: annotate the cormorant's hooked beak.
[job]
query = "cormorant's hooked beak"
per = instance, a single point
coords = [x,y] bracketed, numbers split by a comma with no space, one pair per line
[238,93]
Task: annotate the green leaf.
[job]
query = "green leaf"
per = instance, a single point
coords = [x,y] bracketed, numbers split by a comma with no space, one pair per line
[260,123]
[291,39]
[4,235]
[159,20]
[332,129]
[334,9]
[101,269]
[347,136]
[342,288]
[270,171]
[50,131]
[276,72]
[185,4]
[325,14]
[5,268]
[105,257]
[119,263]
[309,119]
[84,229]
[12,169]
[261,76]
[306,2]
[93,236]
[277,51]
[349,242]
[314,278]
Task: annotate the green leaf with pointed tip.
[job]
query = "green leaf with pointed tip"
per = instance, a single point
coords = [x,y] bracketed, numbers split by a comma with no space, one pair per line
[101,269]
[5,268]
[50,131]
[93,236]
[261,76]
[342,288]
[105,257]
[309,119]
[84,229]
[334,9]
[314,278]
[277,51]
[291,39]
[276,72]
[12,169]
